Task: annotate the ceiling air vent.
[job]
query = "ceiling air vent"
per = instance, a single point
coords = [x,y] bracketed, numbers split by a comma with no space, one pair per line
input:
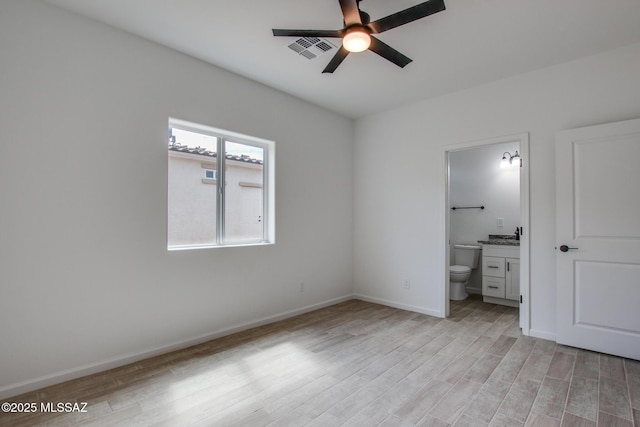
[311,47]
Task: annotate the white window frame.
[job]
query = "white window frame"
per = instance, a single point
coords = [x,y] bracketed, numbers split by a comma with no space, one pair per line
[214,173]
[268,170]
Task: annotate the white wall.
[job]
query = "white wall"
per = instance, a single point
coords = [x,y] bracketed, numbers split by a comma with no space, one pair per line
[399,220]
[86,280]
[476,179]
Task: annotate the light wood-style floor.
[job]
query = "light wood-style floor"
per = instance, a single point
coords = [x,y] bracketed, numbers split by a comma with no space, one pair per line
[360,364]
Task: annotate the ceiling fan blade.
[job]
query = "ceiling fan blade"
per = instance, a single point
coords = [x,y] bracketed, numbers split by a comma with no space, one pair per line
[336,60]
[408,15]
[350,12]
[307,33]
[389,53]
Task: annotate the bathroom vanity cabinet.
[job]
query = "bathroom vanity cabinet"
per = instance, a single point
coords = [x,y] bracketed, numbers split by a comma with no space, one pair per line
[501,274]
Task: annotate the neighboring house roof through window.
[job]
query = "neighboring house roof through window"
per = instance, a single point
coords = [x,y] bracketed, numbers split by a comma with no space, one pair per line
[176,146]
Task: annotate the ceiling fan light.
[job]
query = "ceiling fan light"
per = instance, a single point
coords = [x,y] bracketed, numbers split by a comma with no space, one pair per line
[356,40]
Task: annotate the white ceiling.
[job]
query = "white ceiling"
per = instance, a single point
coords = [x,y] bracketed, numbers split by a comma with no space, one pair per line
[471,43]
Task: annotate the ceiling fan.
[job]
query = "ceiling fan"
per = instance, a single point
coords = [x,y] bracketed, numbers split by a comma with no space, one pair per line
[358,29]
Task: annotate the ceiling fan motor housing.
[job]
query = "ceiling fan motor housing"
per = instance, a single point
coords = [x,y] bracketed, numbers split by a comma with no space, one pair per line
[365,18]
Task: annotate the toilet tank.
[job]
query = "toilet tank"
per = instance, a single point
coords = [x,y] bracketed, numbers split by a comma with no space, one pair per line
[467,255]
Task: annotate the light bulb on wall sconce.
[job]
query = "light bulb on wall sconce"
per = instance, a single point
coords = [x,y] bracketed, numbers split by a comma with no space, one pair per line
[516,160]
[506,161]
[509,160]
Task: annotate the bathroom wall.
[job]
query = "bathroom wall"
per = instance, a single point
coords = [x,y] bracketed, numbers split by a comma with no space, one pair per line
[476,179]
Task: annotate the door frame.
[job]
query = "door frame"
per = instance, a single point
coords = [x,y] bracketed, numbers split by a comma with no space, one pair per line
[523,140]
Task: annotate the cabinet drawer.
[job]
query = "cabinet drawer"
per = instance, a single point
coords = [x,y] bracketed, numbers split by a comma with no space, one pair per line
[492,266]
[493,287]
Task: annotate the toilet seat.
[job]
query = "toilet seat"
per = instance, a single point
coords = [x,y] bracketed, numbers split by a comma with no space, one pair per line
[459,269]
[459,273]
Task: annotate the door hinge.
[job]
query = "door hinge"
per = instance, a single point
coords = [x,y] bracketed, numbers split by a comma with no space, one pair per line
[520,299]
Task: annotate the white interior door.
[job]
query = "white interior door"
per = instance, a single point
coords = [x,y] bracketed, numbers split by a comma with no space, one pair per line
[598,238]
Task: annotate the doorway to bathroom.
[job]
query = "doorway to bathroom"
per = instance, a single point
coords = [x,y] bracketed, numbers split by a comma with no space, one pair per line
[487,206]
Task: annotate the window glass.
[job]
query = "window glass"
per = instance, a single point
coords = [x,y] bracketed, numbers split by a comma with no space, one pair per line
[192,205]
[243,203]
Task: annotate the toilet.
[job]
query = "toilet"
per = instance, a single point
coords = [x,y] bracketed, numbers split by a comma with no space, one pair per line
[466,259]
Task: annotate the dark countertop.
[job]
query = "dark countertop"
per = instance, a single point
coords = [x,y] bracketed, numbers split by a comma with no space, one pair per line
[501,239]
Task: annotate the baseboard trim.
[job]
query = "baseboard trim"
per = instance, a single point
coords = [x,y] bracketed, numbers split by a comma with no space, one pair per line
[70,374]
[421,310]
[545,335]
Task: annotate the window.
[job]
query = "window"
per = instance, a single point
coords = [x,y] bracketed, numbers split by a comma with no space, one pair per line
[218,200]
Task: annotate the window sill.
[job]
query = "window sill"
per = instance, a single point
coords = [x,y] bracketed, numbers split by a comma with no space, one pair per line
[210,246]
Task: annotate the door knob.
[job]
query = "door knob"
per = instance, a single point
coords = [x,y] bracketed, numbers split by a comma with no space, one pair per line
[565,248]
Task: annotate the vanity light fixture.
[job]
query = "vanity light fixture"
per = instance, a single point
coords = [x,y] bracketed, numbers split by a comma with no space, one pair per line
[509,160]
